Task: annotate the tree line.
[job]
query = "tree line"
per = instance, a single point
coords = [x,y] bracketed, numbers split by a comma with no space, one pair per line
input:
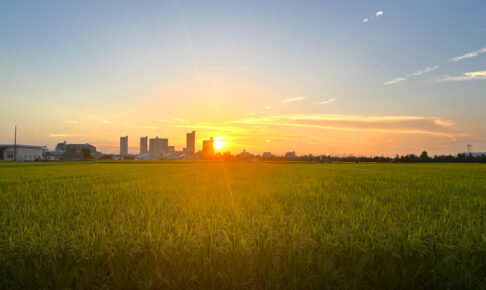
[409,158]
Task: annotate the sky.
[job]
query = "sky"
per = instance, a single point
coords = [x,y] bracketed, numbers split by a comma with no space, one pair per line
[319,77]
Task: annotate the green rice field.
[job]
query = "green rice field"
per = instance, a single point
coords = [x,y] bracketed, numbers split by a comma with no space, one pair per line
[187,225]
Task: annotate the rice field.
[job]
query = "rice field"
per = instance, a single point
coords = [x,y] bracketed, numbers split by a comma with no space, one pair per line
[181,225]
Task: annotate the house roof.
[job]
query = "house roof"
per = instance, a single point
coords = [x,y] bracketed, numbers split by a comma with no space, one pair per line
[21,146]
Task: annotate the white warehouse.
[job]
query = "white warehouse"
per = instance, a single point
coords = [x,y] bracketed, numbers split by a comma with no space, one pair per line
[24,152]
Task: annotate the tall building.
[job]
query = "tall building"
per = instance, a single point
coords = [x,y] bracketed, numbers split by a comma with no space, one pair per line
[158,146]
[208,148]
[124,146]
[191,143]
[143,144]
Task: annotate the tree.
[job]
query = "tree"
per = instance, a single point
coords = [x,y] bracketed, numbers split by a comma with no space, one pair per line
[424,157]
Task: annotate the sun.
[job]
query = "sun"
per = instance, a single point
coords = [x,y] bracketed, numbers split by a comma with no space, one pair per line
[219,143]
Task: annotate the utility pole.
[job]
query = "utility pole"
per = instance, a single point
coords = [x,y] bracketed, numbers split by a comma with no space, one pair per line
[15,144]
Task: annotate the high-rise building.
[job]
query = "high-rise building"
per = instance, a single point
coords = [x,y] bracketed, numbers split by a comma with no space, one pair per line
[158,146]
[124,146]
[208,148]
[143,144]
[191,143]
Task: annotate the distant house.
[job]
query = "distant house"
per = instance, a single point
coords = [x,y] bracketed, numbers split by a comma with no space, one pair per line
[23,152]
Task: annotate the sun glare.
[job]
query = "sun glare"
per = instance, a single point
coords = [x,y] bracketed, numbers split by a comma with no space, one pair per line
[218,144]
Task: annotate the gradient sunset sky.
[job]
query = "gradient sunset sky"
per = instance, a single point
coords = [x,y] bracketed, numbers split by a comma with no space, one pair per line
[321,77]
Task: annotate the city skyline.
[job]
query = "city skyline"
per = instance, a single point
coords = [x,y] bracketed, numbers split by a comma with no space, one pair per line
[314,77]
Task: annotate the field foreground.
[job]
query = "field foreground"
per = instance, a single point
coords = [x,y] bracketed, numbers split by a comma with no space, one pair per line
[242,225]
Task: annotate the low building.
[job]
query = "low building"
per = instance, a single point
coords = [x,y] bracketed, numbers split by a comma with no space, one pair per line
[58,152]
[245,154]
[290,155]
[267,155]
[11,152]
[80,152]
[143,156]
[476,154]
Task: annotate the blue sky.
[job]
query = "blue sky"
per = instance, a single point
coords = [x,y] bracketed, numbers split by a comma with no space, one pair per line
[87,71]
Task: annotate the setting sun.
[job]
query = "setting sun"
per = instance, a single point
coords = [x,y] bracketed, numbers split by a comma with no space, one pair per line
[218,144]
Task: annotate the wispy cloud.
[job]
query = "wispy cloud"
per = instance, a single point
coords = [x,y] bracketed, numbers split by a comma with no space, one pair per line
[70,121]
[359,123]
[267,108]
[148,127]
[416,73]
[106,122]
[297,99]
[475,75]
[469,55]
[423,71]
[66,135]
[181,120]
[330,101]
[174,121]
[394,81]
[377,14]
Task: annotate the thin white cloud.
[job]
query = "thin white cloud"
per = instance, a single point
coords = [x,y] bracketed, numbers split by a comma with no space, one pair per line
[444,123]
[377,14]
[66,135]
[416,73]
[423,71]
[70,121]
[181,120]
[394,81]
[475,75]
[297,99]
[260,111]
[330,101]
[469,54]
